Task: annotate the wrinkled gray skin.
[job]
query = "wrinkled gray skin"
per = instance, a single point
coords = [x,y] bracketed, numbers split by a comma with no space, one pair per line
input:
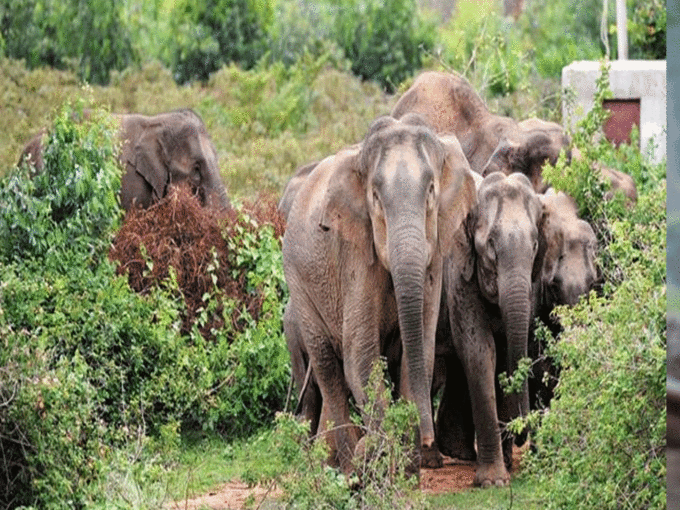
[158,152]
[490,142]
[362,254]
[490,282]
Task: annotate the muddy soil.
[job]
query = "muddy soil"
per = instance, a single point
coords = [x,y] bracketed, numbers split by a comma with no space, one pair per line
[455,476]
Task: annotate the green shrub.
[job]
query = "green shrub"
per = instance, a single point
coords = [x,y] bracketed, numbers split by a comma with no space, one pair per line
[299,28]
[384,40]
[646,30]
[289,458]
[87,365]
[73,200]
[554,34]
[89,37]
[602,443]
[481,46]
[212,33]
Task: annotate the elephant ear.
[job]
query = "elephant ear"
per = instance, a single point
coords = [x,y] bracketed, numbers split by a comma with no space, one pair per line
[152,160]
[549,246]
[344,210]
[465,242]
[458,193]
[525,156]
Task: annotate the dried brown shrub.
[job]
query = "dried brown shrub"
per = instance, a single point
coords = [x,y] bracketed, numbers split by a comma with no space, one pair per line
[178,232]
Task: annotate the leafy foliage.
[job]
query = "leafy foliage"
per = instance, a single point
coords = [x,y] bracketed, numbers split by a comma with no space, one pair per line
[297,463]
[43,214]
[212,33]
[647,30]
[602,442]
[384,40]
[90,37]
[87,364]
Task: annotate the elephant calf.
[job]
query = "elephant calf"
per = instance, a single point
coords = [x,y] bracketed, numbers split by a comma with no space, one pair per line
[512,233]
[489,283]
[158,152]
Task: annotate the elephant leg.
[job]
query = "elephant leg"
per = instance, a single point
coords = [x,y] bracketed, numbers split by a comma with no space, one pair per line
[309,396]
[455,428]
[480,373]
[476,349]
[327,367]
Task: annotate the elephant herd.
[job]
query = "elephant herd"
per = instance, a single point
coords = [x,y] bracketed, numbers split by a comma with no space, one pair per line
[433,243]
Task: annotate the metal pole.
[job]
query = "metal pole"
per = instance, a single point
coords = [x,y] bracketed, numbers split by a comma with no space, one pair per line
[621,30]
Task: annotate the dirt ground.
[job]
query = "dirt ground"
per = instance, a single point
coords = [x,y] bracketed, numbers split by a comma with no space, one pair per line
[455,476]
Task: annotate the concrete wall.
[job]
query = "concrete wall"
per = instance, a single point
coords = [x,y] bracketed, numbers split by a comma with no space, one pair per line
[628,79]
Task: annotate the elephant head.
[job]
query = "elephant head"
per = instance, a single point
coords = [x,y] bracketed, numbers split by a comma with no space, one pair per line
[569,270]
[490,142]
[525,147]
[165,150]
[363,251]
[508,246]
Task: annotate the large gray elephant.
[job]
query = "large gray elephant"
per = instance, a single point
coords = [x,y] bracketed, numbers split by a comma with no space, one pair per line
[489,281]
[157,152]
[366,234]
[490,142]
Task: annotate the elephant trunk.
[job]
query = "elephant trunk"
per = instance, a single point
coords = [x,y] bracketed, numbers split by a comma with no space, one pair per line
[408,261]
[514,299]
[216,193]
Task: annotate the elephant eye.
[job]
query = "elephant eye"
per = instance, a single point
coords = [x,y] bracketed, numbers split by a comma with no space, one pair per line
[376,201]
[430,197]
[491,248]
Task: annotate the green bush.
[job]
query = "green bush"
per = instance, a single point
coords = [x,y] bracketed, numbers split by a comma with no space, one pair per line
[647,30]
[385,40]
[602,443]
[297,463]
[87,365]
[212,33]
[90,37]
[482,47]
[73,200]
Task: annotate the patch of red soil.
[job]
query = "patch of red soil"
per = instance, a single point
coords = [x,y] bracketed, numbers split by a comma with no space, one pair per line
[230,496]
[455,476]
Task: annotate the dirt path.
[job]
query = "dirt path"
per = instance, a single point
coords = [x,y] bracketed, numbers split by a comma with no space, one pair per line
[455,476]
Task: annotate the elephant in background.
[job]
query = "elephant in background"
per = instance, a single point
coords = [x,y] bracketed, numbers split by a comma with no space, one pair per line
[490,142]
[490,280]
[366,234]
[157,152]
[619,181]
[494,143]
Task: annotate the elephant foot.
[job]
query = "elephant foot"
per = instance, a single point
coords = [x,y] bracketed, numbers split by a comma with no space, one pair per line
[431,457]
[491,475]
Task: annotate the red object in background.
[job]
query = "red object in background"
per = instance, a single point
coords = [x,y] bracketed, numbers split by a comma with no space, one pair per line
[625,114]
